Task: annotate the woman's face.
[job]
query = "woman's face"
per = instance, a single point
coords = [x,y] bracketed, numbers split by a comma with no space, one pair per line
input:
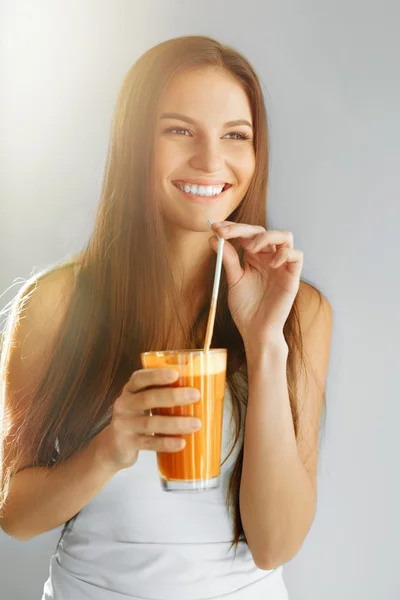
[204,149]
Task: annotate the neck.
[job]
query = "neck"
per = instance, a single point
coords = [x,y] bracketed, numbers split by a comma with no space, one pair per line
[191,258]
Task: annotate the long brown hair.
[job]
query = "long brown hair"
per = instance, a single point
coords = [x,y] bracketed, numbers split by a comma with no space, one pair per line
[125,293]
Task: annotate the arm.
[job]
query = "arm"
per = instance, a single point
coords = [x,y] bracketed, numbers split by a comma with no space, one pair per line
[278,484]
[42,498]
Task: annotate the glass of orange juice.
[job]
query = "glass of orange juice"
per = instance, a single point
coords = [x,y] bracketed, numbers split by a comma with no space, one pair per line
[197,466]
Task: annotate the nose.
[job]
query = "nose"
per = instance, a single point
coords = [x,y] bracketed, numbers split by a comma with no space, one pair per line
[207,156]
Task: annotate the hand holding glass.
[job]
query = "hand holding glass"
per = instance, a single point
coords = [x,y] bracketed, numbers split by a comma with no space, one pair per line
[197,466]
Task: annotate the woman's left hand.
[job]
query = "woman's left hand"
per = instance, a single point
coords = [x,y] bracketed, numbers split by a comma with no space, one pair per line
[261,295]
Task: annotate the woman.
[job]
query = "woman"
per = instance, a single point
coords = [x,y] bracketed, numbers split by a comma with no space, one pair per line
[189,143]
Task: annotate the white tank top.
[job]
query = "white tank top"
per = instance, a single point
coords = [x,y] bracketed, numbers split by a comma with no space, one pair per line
[134,541]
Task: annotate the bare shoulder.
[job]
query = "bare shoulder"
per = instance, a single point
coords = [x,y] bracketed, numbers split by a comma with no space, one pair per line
[31,334]
[313,307]
[44,297]
[34,321]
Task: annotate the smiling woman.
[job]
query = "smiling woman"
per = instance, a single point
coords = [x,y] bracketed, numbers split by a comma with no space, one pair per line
[189,145]
[207,154]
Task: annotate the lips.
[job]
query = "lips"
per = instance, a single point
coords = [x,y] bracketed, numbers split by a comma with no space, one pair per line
[202,199]
[205,182]
[182,182]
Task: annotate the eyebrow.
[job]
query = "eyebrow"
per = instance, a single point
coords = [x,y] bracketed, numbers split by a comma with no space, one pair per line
[193,122]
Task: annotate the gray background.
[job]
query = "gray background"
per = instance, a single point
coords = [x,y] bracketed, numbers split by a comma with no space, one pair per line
[331,80]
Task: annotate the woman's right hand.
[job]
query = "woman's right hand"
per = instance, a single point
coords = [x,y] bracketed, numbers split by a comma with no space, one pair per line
[132,426]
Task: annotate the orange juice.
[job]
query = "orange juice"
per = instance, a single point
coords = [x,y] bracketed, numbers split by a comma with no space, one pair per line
[197,466]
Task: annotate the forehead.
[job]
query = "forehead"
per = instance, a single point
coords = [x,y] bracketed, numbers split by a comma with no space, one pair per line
[206,95]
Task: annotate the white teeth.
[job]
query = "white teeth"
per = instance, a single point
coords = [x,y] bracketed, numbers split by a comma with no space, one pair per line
[201,190]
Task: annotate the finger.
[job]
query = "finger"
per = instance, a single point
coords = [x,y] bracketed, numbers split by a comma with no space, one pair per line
[160,444]
[158,424]
[262,243]
[230,260]
[226,229]
[144,378]
[290,256]
[241,230]
[129,403]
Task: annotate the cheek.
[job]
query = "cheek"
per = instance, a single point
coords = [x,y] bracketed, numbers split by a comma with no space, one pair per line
[168,160]
[243,161]
[164,158]
[246,170]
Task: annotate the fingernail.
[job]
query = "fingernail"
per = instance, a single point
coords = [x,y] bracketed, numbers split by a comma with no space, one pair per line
[192,394]
[195,423]
[171,375]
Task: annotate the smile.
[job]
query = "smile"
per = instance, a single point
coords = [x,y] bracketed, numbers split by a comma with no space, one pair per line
[202,191]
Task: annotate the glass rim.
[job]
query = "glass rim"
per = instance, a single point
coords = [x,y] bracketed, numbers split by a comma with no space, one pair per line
[174,352]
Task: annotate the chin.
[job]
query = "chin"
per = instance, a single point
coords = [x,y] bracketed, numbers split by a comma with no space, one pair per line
[195,225]
[196,221]
[199,223]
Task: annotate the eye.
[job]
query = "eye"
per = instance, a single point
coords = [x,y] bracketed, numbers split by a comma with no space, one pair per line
[173,129]
[240,136]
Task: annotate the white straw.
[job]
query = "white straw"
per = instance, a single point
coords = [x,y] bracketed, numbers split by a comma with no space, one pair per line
[214,298]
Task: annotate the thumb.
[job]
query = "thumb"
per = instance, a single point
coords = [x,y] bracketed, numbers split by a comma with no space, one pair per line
[230,260]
